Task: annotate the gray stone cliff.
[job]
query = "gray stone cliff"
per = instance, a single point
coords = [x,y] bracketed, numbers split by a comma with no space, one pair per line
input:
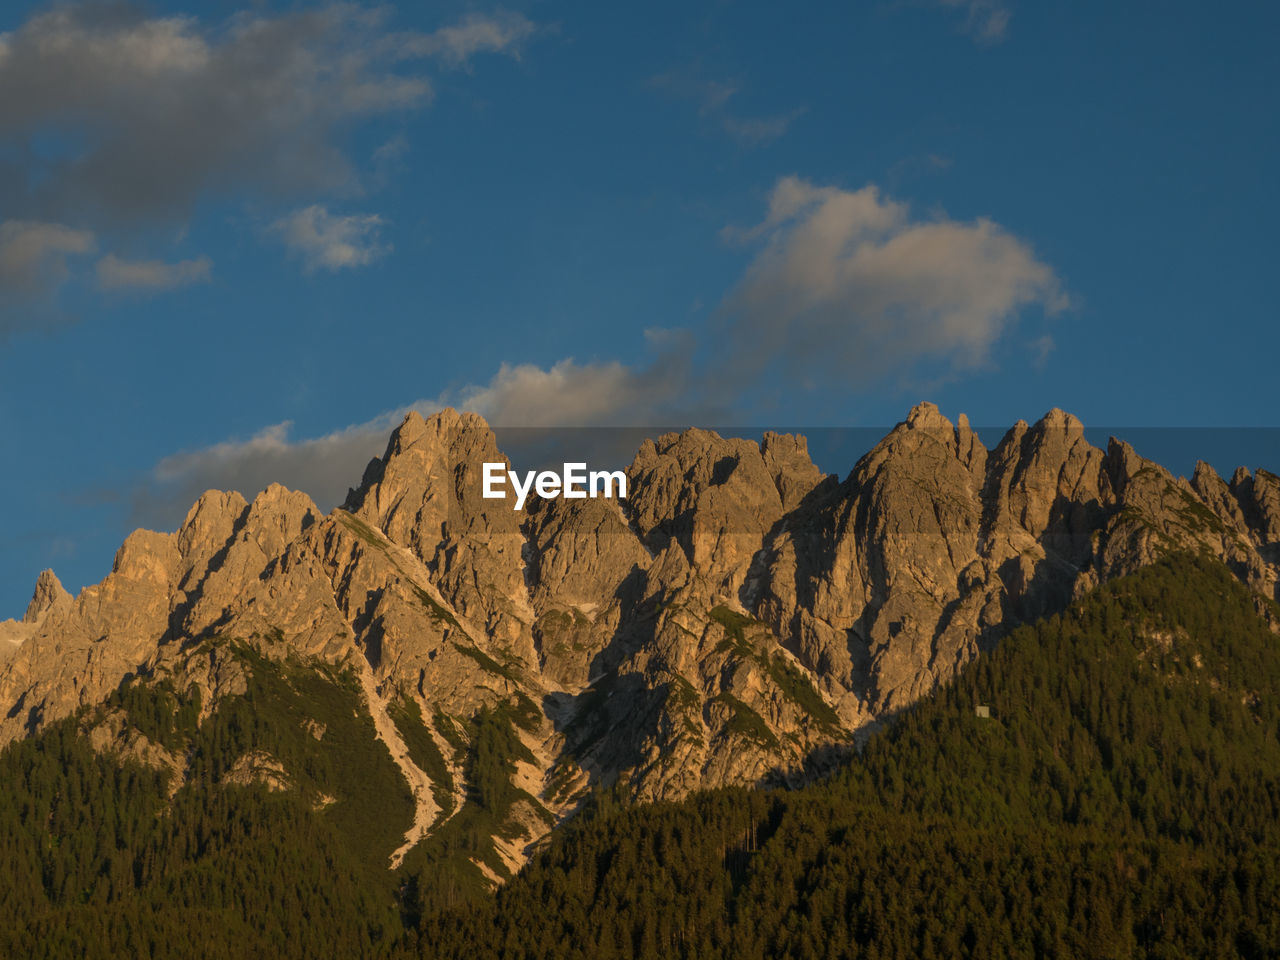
[740,617]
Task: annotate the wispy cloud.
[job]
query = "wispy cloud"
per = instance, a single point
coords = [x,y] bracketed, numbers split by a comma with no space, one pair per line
[322,466]
[389,159]
[33,263]
[326,241]
[917,165]
[712,98]
[753,130]
[569,393]
[33,254]
[518,395]
[503,31]
[151,275]
[985,20]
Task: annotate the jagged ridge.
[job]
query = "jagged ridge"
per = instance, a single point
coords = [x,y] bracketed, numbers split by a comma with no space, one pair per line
[740,617]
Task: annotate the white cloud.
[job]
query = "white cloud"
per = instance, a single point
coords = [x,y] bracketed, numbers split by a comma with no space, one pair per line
[847,283]
[166,110]
[115,122]
[846,289]
[657,389]
[567,393]
[326,241]
[503,31]
[33,255]
[117,274]
[323,467]
[163,111]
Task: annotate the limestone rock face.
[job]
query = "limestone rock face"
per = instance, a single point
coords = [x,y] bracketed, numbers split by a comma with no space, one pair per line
[786,457]
[714,498]
[49,600]
[934,545]
[426,494]
[49,595]
[1259,496]
[865,587]
[738,618]
[585,569]
[258,534]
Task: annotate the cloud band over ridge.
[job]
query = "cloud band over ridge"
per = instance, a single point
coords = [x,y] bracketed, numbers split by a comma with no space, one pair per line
[841,282]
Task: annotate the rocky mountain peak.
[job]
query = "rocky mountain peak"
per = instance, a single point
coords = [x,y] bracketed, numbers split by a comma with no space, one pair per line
[210,523]
[277,515]
[1057,420]
[439,427]
[1204,476]
[969,448]
[426,495]
[926,436]
[1123,462]
[412,429]
[1220,499]
[786,457]
[736,616]
[926,416]
[1260,499]
[147,555]
[49,593]
[713,496]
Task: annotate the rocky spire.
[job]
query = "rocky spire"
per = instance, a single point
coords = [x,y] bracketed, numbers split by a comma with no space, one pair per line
[49,593]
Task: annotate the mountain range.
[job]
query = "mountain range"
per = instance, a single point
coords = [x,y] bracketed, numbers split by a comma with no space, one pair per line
[739,619]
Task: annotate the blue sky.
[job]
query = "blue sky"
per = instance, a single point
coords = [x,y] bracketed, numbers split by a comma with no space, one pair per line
[237,243]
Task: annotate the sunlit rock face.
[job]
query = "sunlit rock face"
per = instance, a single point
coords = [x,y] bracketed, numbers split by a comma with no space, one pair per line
[739,617]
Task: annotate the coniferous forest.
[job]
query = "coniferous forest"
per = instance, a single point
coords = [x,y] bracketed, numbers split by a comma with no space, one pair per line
[1121,799]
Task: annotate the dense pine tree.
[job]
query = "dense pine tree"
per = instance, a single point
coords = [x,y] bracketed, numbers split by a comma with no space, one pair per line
[1122,799]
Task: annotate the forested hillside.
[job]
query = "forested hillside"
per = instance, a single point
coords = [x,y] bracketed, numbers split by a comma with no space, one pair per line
[1121,799]
[242,860]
